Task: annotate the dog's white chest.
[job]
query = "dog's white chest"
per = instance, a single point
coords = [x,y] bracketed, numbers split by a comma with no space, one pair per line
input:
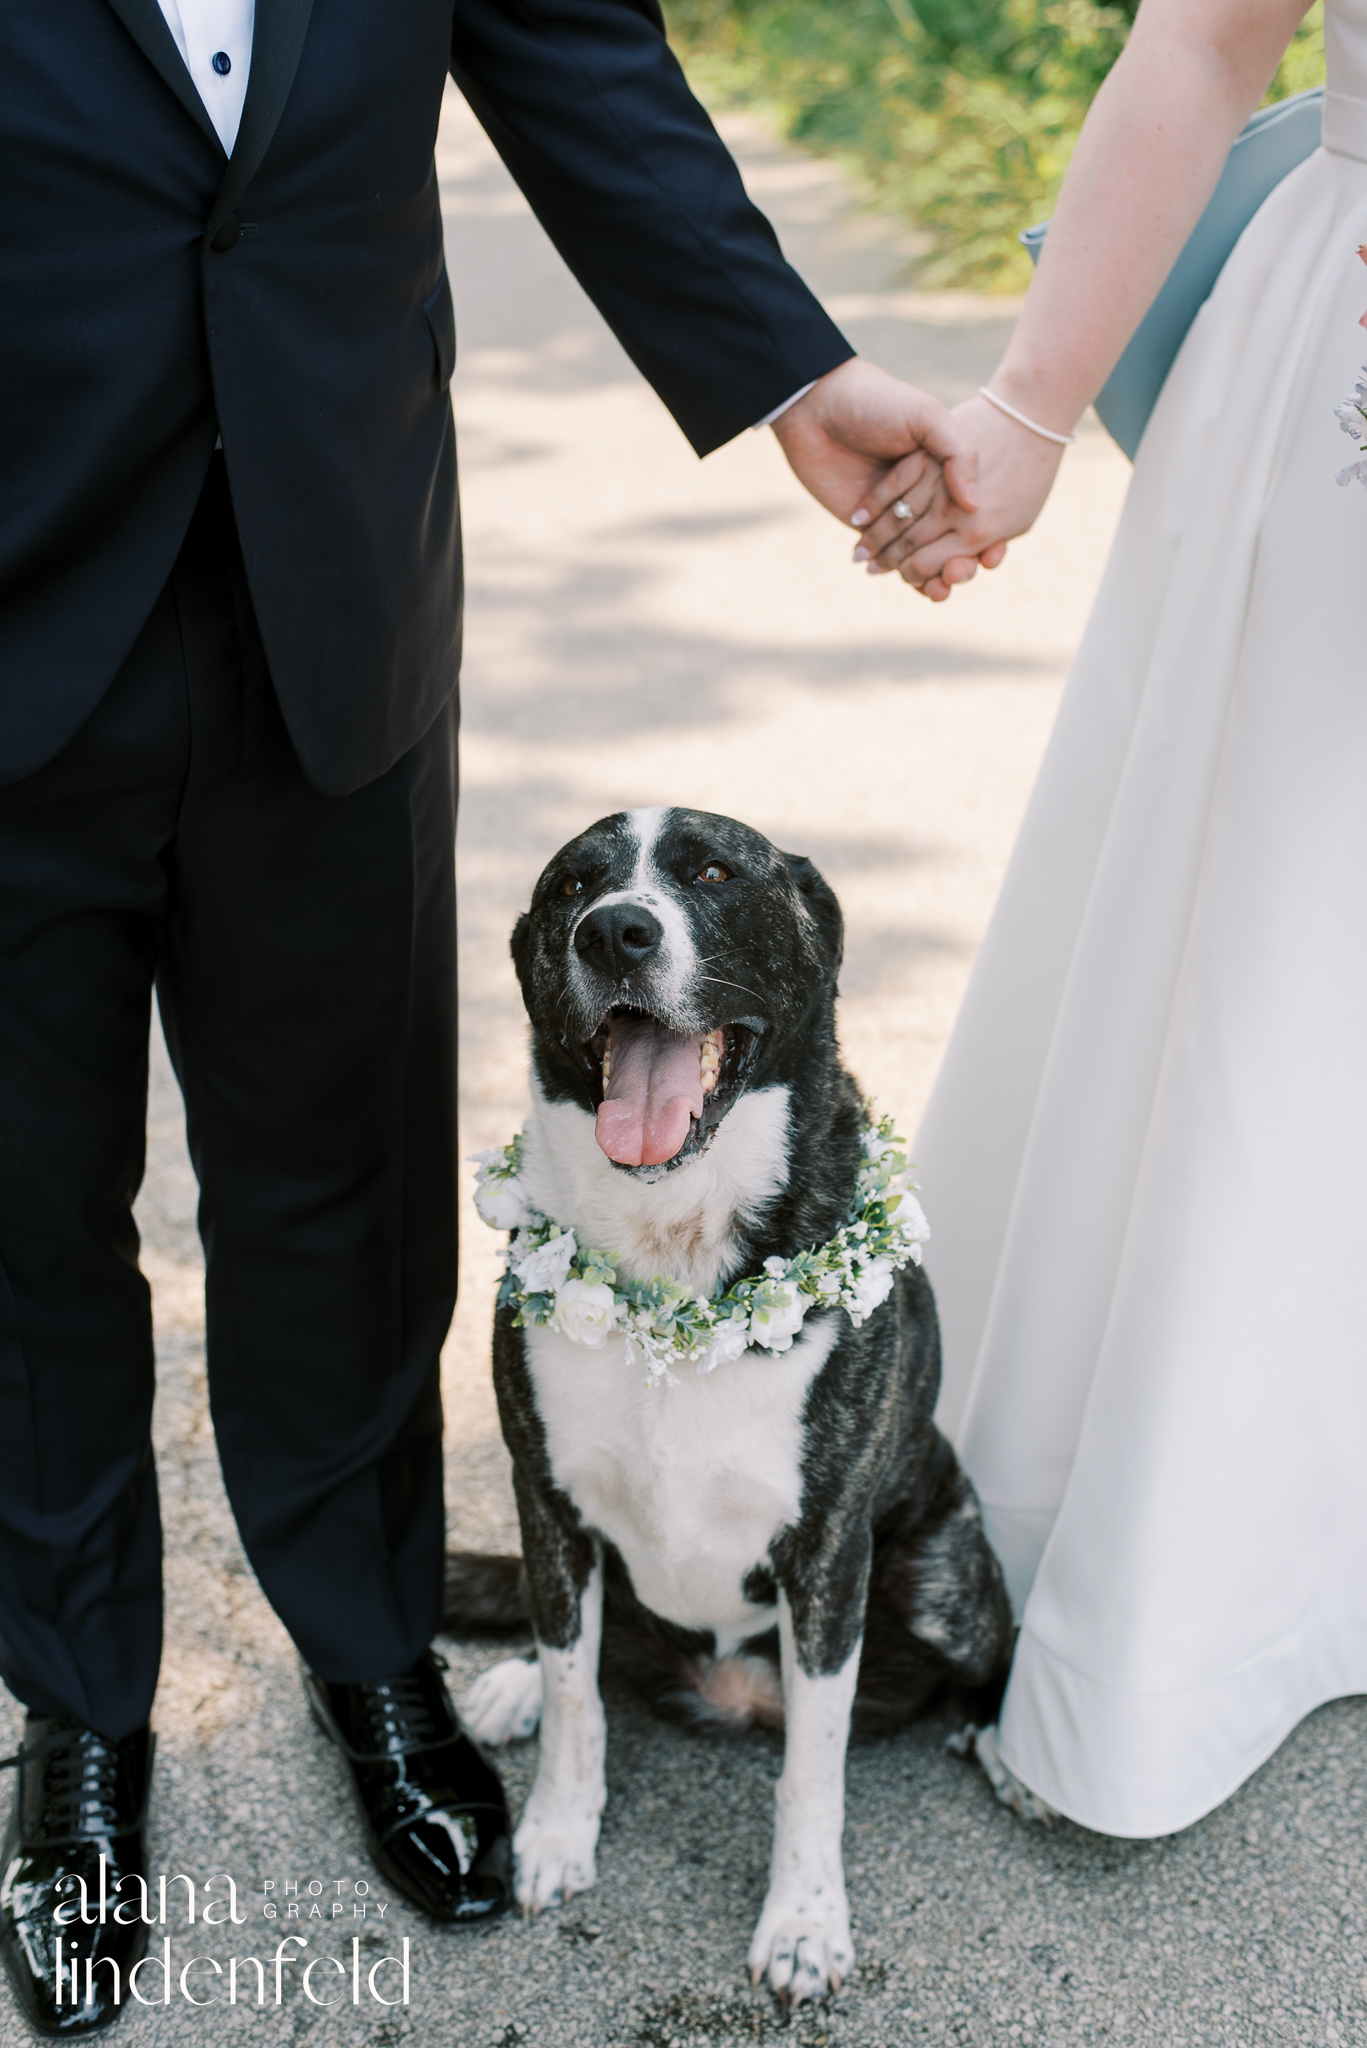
[692,1482]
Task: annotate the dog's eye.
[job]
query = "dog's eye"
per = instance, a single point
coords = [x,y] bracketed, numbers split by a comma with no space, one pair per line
[571,886]
[713,871]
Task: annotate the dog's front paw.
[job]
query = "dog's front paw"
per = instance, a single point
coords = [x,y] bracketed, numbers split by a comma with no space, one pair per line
[803,1945]
[554,1848]
[1009,1789]
[504,1703]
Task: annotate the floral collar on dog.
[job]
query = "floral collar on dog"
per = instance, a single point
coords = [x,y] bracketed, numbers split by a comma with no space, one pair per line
[549,1279]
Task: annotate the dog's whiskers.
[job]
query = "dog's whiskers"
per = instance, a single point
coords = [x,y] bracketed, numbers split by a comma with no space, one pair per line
[723,981]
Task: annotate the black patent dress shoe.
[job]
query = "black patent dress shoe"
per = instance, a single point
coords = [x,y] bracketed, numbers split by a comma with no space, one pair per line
[78,1828]
[435,1816]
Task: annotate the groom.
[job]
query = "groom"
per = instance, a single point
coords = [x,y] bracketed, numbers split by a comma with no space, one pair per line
[229,634]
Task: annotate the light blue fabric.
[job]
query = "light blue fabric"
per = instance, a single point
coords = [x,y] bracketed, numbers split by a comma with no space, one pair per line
[1273,143]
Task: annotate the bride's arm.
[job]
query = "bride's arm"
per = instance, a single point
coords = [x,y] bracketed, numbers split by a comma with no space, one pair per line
[1147,161]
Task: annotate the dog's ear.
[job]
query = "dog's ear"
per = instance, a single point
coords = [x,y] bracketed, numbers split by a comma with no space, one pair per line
[819,897]
[520,948]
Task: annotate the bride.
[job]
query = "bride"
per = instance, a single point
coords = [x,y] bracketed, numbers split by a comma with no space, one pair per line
[1146,1157]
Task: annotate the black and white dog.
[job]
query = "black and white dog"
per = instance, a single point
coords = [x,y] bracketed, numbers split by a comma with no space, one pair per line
[806,1496]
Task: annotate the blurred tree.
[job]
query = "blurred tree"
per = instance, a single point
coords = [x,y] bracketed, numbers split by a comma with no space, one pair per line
[959,114]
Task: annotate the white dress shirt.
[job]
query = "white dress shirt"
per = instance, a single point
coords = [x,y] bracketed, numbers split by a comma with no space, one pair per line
[215,39]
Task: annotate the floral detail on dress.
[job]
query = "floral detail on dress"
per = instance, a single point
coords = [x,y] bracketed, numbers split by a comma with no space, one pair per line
[1351,414]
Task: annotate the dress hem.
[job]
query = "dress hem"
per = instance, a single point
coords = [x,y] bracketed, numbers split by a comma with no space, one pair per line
[1089,1748]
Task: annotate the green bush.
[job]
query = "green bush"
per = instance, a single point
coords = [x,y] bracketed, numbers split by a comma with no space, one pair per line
[959,115]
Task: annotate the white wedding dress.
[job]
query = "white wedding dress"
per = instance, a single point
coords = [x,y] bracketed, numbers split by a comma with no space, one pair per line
[1145,1161]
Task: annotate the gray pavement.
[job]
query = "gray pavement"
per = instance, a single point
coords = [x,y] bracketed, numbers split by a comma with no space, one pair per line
[643,629]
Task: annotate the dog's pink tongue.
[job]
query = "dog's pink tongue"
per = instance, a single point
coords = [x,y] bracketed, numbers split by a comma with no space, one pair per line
[656,1087]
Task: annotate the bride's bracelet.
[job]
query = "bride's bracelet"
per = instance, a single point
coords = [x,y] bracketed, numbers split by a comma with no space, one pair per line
[1045,433]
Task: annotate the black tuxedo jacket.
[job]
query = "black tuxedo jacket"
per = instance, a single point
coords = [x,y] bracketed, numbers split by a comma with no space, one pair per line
[294,297]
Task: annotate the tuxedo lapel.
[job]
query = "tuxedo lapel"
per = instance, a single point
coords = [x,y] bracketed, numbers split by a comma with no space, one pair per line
[146,24]
[277,41]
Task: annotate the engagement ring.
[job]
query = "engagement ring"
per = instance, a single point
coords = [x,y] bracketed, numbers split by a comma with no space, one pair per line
[902,509]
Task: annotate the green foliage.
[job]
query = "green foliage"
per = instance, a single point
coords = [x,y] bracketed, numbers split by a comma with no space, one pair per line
[958,114]
[1303,64]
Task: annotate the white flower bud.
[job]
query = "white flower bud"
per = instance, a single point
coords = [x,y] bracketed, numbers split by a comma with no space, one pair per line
[543,1270]
[776,1327]
[502,1203]
[730,1341]
[871,1289]
[586,1314]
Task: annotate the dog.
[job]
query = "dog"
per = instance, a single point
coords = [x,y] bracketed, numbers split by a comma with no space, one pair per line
[786,1537]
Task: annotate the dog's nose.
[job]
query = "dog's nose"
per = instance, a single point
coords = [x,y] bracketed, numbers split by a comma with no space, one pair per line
[617,937]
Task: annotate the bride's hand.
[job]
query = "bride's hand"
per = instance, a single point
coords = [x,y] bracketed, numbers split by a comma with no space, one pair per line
[943,545]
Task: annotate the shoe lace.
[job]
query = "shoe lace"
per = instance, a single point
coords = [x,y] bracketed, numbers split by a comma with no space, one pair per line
[399,1714]
[79,1793]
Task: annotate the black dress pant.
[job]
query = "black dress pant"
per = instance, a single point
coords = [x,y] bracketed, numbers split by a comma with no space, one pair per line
[303,951]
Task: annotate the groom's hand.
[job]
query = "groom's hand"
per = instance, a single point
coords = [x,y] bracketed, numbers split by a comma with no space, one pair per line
[860,434]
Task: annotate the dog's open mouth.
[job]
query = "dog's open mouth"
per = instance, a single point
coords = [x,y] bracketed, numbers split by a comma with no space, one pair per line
[662,1093]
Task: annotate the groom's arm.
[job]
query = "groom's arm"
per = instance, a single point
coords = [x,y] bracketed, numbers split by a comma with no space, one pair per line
[588,107]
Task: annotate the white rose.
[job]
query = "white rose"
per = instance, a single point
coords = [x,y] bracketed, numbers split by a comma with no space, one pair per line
[911,1219]
[727,1344]
[776,1327]
[871,1289]
[543,1271]
[585,1313]
[502,1203]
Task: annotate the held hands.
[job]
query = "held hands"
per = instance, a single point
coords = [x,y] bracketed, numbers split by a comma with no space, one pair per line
[847,439]
[942,544]
[973,481]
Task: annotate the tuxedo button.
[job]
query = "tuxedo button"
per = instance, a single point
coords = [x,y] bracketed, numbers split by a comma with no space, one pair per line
[225,234]
[221,62]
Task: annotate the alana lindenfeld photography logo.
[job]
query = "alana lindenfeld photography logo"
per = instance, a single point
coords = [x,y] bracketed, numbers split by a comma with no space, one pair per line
[292,1951]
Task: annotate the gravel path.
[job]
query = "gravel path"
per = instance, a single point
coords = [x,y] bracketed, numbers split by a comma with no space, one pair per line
[643,628]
